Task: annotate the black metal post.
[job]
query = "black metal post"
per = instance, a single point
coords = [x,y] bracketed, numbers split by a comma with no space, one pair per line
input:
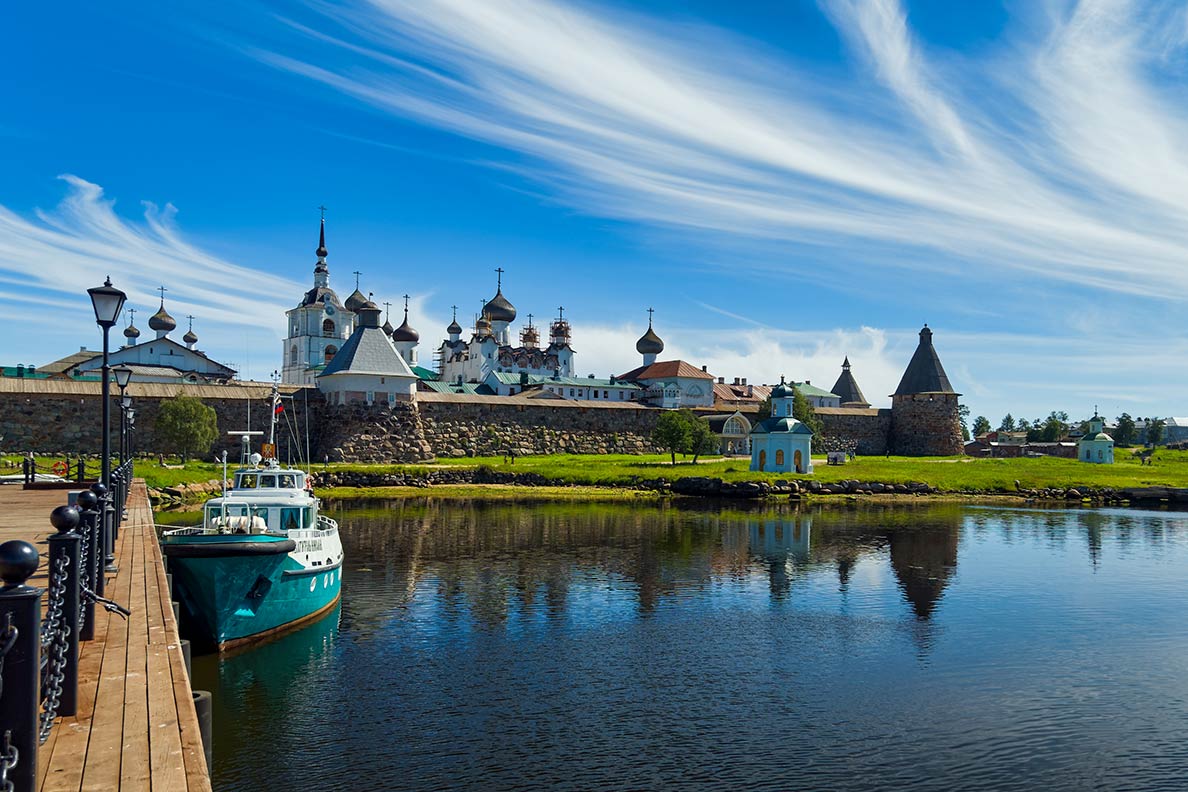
[90,525]
[66,544]
[105,470]
[20,640]
[106,542]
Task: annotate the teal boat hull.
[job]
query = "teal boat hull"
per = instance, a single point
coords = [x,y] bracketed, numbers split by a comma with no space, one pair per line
[236,589]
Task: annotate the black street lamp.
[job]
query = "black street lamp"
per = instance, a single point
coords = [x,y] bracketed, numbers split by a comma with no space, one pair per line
[107,301]
[123,375]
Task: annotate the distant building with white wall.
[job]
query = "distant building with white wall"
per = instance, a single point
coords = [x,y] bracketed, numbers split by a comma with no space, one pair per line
[1095,446]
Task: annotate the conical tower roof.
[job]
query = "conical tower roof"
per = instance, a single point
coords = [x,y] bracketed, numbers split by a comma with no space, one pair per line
[847,388]
[924,373]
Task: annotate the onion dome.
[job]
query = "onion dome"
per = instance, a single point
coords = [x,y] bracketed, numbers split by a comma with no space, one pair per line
[356,301]
[405,332]
[482,325]
[387,328]
[131,331]
[499,309]
[190,337]
[454,328]
[649,343]
[161,321]
[783,390]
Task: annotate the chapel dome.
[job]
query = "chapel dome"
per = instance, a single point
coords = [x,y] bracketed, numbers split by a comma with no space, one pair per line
[356,301]
[406,333]
[782,391]
[499,309]
[190,337]
[131,332]
[649,343]
[454,328]
[388,327]
[162,321]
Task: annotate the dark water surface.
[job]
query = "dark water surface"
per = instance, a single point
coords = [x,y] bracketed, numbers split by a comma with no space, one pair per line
[593,646]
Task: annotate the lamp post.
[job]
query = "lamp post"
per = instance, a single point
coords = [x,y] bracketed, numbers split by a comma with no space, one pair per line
[123,375]
[107,302]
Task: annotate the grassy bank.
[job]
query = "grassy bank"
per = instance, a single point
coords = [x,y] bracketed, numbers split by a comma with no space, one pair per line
[951,474]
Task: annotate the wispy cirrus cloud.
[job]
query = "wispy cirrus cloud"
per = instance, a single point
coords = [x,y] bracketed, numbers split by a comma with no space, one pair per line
[1065,165]
[52,258]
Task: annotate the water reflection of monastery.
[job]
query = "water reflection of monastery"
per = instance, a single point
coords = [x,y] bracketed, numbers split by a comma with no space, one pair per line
[499,562]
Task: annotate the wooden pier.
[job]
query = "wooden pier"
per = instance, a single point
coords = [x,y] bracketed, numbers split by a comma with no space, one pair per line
[136,726]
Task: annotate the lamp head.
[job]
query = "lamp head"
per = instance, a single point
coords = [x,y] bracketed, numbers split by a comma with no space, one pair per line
[123,376]
[107,301]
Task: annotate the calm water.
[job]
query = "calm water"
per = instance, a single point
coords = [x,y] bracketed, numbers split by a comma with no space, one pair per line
[493,646]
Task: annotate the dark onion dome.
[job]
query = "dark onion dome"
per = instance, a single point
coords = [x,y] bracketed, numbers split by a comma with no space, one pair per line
[924,373]
[356,301]
[388,327]
[405,332]
[162,321]
[190,338]
[499,309]
[454,328]
[131,332]
[649,343]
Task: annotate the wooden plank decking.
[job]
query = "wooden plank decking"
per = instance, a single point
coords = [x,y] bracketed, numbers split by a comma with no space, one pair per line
[136,727]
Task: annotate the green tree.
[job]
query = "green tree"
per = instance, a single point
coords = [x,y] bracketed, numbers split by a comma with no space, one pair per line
[1155,427]
[1124,431]
[1054,427]
[672,433]
[186,426]
[981,425]
[764,409]
[963,413]
[802,410]
[1008,423]
[702,439]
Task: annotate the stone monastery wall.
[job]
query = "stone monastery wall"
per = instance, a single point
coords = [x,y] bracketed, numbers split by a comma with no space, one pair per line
[864,431]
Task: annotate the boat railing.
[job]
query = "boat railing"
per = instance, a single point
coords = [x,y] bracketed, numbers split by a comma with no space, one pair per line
[326,524]
[189,530]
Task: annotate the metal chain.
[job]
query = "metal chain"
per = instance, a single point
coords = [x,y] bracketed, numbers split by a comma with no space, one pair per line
[110,605]
[57,598]
[59,635]
[8,761]
[10,637]
[83,549]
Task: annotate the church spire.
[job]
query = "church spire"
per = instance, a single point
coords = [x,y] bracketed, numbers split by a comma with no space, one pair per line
[321,271]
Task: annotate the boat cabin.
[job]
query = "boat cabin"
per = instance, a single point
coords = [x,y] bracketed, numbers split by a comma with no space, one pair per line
[269,479]
[264,500]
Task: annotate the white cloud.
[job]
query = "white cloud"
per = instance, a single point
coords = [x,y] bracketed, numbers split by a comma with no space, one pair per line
[1064,166]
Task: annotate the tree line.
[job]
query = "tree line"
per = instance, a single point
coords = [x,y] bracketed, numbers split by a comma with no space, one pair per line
[1125,432]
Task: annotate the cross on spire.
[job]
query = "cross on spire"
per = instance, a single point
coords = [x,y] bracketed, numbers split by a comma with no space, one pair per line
[191,318]
[406,306]
[455,312]
[162,289]
[131,316]
[650,312]
[387,310]
[322,209]
[499,278]
[356,273]
[560,312]
[530,320]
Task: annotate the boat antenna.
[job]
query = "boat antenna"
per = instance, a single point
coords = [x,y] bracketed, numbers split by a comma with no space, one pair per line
[275,405]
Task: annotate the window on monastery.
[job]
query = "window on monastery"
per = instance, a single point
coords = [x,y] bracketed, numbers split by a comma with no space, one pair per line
[1099,452]
[293,354]
[780,457]
[328,327]
[331,351]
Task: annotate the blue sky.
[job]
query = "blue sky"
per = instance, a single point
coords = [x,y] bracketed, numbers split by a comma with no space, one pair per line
[787,183]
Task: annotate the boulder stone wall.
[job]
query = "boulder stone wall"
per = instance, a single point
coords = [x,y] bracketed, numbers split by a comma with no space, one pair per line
[926,424]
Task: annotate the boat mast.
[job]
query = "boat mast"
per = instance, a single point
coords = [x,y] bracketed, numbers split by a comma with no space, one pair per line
[275,405]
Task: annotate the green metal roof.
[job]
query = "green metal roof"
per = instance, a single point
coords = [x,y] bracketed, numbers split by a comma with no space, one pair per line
[468,388]
[510,378]
[424,373]
[812,390]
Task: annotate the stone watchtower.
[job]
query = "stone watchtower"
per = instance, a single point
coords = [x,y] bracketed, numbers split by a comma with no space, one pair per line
[924,417]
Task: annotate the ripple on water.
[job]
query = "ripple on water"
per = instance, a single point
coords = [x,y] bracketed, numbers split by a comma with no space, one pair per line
[640,647]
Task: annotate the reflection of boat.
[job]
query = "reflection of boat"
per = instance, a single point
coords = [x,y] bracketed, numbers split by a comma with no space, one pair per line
[262,560]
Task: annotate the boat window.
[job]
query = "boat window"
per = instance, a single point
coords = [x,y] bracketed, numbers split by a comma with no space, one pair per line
[247,481]
[289,519]
[287,481]
[308,517]
[267,482]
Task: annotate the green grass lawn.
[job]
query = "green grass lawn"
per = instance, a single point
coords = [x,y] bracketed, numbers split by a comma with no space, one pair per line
[964,474]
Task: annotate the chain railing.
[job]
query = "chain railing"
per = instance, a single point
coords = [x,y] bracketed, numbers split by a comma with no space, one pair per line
[39,659]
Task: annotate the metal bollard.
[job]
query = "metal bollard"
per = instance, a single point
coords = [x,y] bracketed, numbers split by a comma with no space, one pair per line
[188,657]
[20,663]
[203,704]
[105,527]
[67,543]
